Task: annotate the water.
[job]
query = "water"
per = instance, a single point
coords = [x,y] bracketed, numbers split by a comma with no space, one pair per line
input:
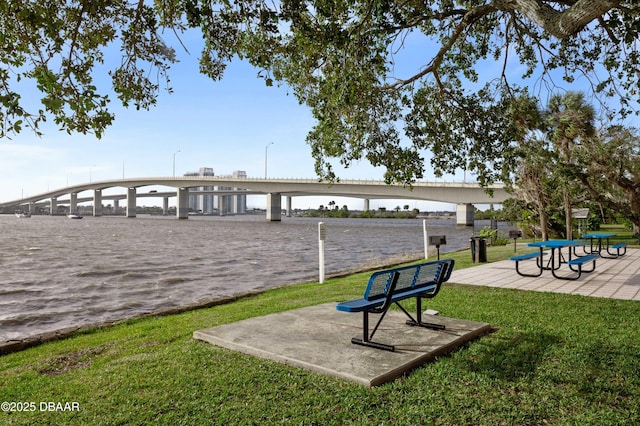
[59,273]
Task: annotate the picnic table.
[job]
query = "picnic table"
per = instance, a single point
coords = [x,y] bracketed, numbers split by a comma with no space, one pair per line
[599,242]
[557,258]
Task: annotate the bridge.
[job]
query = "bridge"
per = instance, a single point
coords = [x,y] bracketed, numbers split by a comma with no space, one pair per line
[465,195]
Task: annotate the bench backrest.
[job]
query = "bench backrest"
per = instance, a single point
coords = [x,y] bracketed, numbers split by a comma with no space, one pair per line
[410,278]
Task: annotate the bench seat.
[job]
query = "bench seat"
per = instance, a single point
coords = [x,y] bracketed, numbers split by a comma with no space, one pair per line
[579,262]
[527,256]
[362,304]
[392,286]
[535,255]
[583,259]
[618,247]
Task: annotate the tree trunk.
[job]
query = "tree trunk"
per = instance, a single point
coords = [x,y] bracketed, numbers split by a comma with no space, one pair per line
[567,212]
[544,224]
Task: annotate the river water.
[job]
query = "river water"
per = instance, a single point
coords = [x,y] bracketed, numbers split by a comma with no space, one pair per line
[59,273]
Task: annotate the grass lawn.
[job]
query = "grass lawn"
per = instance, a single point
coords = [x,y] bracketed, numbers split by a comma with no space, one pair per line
[553,359]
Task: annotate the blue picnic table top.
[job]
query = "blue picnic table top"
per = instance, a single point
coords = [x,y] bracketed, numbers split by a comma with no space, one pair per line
[555,243]
[598,235]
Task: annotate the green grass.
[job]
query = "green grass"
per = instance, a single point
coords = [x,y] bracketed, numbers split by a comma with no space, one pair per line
[553,359]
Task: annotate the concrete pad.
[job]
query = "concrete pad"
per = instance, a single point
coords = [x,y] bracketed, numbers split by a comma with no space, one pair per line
[613,278]
[318,338]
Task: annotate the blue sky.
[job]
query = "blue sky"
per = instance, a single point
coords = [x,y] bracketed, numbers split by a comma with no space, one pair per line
[226,125]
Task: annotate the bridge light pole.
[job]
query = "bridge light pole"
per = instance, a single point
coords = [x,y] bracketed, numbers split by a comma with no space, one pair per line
[265,158]
[174,162]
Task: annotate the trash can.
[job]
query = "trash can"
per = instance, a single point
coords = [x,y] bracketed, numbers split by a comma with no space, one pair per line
[478,249]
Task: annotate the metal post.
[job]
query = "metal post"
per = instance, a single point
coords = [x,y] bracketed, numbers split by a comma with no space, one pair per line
[265,158]
[322,233]
[174,162]
[426,240]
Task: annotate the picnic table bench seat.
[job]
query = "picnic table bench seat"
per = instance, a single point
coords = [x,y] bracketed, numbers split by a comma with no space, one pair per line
[535,255]
[392,286]
[578,262]
[617,247]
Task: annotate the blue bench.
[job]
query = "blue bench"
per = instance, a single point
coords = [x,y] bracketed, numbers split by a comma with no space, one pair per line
[578,262]
[617,247]
[535,255]
[391,286]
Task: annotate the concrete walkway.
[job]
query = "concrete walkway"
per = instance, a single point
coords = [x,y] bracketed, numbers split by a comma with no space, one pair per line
[613,278]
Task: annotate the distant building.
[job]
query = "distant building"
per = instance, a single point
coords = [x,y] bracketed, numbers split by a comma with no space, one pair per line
[216,204]
[202,203]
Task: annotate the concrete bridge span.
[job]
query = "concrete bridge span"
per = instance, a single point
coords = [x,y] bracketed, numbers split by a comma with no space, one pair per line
[465,195]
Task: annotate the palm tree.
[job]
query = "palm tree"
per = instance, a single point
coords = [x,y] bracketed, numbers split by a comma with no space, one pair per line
[570,120]
[534,180]
[533,169]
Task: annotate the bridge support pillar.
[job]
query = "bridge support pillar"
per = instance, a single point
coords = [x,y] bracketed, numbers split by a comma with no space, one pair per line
[165,206]
[289,206]
[131,202]
[73,202]
[97,202]
[32,207]
[223,205]
[366,204]
[182,203]
[53,206]
[464,214]
[274,207]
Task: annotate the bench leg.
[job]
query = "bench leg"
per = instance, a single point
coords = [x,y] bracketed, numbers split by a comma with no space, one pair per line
[371,344]
[579,271]
[538,262]
[615,255]
[366,337]
[593,268]
[553,271]
[610,255]
[418,321]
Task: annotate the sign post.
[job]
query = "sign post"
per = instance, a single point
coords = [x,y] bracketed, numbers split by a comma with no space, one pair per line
[581,215]
[438,240]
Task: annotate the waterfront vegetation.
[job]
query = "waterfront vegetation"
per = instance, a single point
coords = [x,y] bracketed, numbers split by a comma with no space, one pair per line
[552,359]
[382,213]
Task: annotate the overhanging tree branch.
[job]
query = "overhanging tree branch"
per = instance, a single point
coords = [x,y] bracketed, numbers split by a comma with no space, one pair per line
[559,23]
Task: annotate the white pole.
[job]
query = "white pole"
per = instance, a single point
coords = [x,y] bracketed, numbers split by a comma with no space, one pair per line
[426,239]
[322,233]
[265,158]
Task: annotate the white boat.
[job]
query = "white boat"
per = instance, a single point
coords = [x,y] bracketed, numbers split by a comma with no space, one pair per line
[74,216]
[23,215]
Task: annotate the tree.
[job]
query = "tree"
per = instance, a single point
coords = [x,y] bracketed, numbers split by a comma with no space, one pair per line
[342,58]
[570,121]
[533,181]
[612,176]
